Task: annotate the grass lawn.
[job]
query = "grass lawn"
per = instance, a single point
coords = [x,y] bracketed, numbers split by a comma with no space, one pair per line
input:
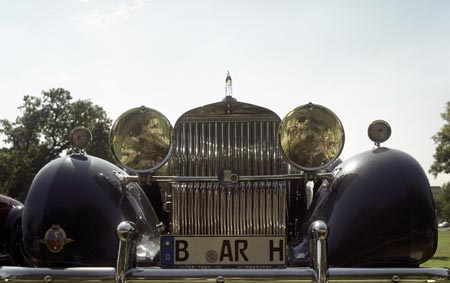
[442,256]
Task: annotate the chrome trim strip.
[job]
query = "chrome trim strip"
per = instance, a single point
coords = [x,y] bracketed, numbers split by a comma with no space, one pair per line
[14,273]
[154,274]
[426,274]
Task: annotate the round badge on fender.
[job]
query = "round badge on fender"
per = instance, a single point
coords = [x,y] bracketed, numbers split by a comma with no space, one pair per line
[55,239]
[311,137]
[141,139]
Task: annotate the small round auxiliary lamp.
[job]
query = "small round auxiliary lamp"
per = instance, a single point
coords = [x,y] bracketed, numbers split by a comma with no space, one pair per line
[141,140]
[311,137]
[81,137]
[379,131]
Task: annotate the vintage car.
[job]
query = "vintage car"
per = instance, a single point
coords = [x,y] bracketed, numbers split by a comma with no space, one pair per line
[231,193]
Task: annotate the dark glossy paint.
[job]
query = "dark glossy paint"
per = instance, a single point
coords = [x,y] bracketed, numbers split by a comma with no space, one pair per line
[6,205]
[379,211]
[81,194]
[10,217]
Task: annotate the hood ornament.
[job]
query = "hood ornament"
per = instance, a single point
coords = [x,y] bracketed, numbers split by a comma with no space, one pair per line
[229,88]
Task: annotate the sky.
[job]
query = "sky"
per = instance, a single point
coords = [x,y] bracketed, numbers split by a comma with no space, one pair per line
[363,59]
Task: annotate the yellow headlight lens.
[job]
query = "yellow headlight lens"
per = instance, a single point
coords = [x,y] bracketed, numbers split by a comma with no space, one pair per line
[311,137]
[141,139]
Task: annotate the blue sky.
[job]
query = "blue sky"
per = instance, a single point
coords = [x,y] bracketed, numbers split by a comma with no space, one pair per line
[365,60]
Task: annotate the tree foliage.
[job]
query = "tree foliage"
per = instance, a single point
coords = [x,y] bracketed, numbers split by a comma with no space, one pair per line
[441,162]
[41,133]
[442,203]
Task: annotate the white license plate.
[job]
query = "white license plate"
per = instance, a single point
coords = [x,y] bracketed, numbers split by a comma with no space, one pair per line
[223,250]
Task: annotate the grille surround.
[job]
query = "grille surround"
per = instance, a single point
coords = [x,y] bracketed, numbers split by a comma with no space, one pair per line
[219,136]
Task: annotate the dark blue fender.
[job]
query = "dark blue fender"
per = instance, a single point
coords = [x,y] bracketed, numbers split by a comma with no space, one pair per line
[72,210]
[10,220]
[379,210]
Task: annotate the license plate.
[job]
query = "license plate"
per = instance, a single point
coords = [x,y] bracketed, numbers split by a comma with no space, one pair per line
[223,250]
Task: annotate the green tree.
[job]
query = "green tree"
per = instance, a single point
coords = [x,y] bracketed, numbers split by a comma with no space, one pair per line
[441,162]
[442,203]
[41,133]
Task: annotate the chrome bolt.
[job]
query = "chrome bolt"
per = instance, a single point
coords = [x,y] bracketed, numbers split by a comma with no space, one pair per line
[395,278]
[48,279]
[220,279]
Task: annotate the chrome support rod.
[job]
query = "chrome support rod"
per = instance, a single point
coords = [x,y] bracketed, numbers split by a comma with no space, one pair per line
[286,177]
[125,179]
[173,179]
[319,232]
[216,179]
[126,232]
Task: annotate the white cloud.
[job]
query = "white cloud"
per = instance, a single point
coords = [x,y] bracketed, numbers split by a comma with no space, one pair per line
[120,13]
[57,80]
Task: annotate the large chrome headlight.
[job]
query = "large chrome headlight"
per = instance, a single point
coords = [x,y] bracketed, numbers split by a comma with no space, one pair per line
[141,139]
[311,137]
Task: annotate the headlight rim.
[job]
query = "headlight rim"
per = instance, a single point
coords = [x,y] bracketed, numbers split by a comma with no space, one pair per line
[330,161]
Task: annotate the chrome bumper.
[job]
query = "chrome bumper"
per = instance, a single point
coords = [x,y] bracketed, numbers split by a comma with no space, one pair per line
[154,274]
[320,273]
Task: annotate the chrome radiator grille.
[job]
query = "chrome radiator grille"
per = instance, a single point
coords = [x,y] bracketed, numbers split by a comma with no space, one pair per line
[249,208]
[205,148]
[207,141]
